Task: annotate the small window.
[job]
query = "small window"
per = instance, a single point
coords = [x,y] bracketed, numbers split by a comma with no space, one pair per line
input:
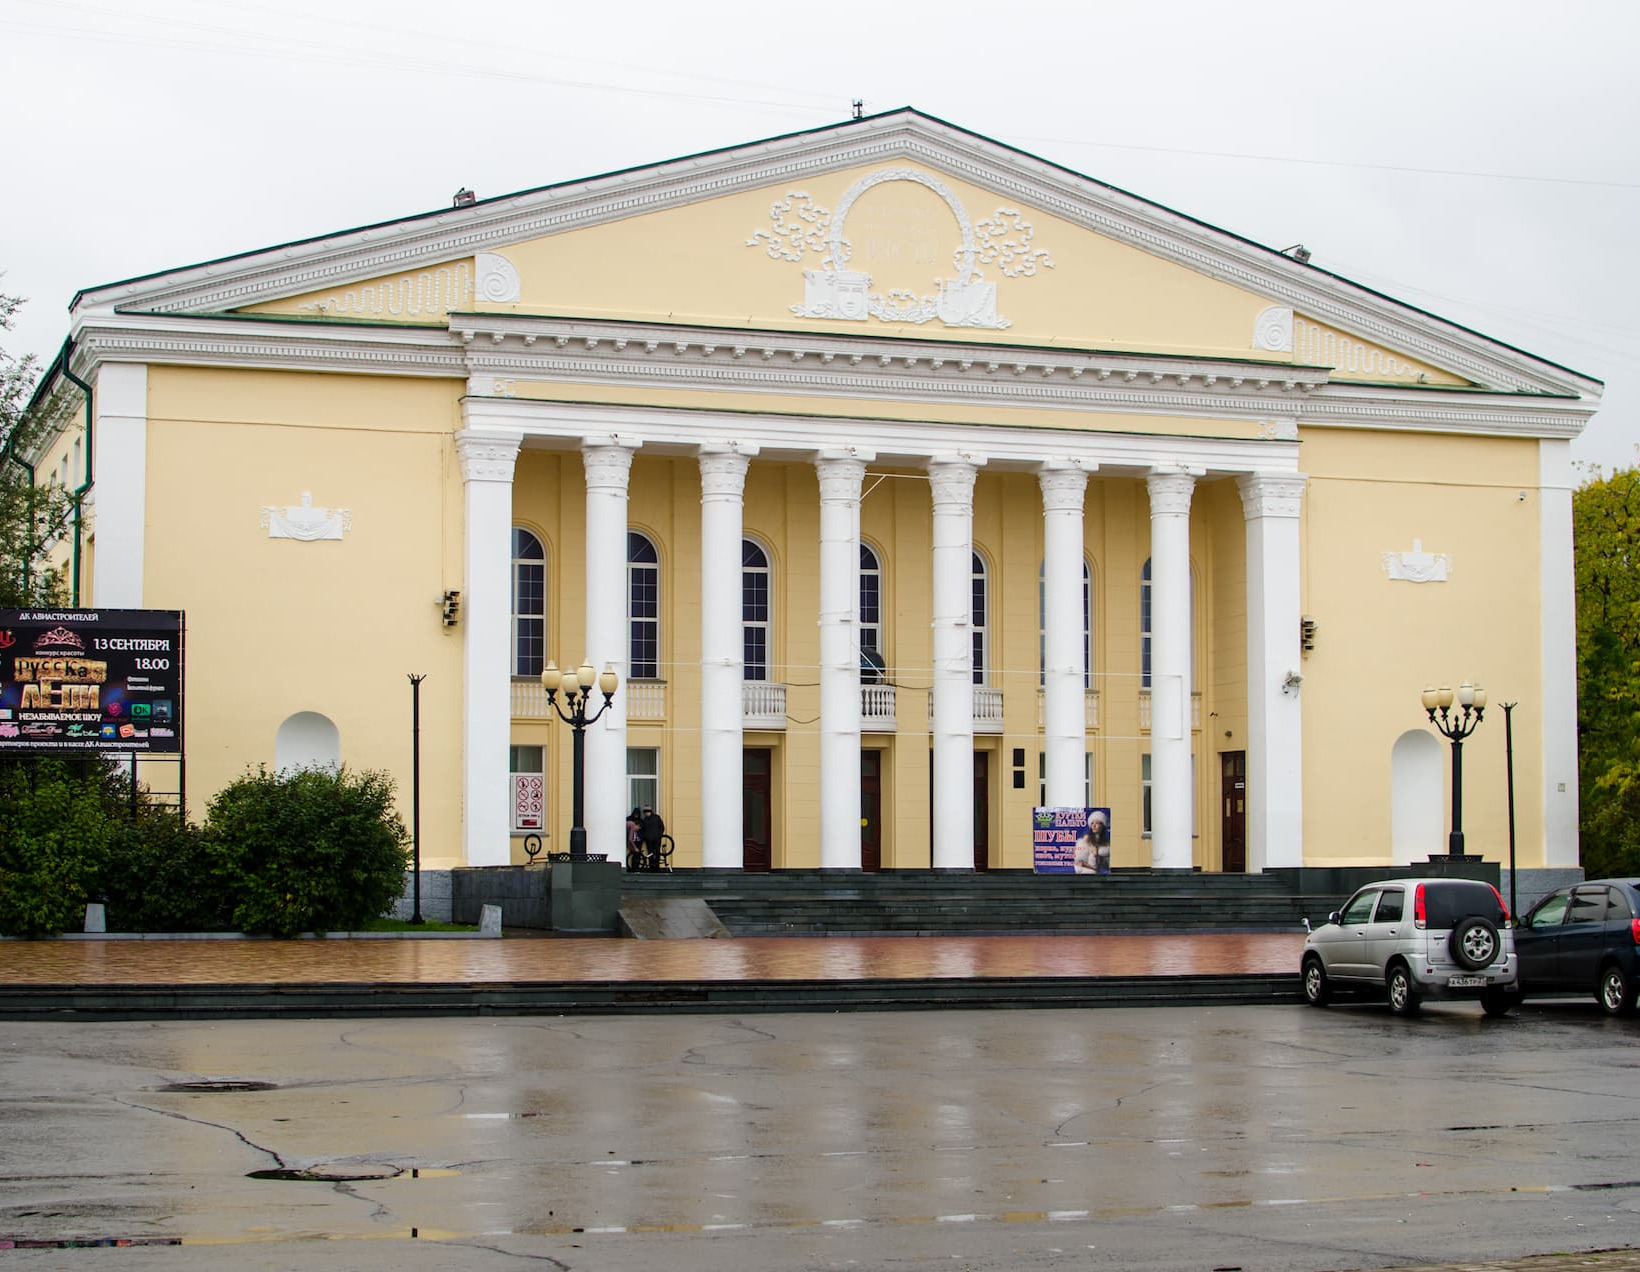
[872,663]
[1391,905]
[1588,906]
[1359,910]
[979,613]
[1551,911]
[529,603]
[643,578]
[1617,906]
[754,610]
[643,777]
[1144,793]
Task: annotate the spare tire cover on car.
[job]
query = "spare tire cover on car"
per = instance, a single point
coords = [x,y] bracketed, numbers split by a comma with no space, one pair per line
[1474,943]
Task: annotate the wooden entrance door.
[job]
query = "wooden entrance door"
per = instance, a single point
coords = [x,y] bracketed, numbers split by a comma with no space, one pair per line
[1233,804]
[871,810]
[757,809]
[982,810]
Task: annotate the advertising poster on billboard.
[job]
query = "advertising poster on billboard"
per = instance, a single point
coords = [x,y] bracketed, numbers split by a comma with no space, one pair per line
[107,681]
[1070,840]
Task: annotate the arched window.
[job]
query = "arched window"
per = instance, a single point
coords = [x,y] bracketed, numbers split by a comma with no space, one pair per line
[979,616]
[754,610]
[643,607]
[529,603]
[1042,625]
[872,660]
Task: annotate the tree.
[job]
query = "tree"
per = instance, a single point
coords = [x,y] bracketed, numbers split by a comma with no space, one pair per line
[34,514]
[1606,534]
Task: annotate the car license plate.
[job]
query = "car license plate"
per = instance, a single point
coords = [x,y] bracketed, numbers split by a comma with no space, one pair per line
[1465,982]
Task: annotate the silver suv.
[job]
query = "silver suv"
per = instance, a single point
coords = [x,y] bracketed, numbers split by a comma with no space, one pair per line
[1415,939]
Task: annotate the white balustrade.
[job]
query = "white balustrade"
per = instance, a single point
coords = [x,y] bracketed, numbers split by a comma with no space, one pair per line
[1144,710]
[763,704]
[877,708]
[1090,709]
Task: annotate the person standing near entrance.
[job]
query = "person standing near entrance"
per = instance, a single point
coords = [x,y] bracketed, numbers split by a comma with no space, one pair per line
[650,829]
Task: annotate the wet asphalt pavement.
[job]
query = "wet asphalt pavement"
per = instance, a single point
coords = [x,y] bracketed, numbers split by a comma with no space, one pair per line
[1264,1138]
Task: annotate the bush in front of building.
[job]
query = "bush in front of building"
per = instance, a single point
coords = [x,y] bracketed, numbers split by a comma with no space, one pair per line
[54,834]
[315,850]
[160,874]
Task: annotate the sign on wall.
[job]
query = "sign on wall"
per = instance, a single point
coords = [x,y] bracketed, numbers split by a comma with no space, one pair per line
[91,680]
[1070,840]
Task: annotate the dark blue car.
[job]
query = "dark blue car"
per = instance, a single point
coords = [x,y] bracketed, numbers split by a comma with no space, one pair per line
[1584,938]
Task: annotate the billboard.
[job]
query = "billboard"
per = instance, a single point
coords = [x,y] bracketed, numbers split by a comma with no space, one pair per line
[106,681]
[1070,840]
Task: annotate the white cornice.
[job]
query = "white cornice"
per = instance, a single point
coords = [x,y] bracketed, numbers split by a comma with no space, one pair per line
[501,350]
[458,232]
[488,352]
[282,346]
[895,442]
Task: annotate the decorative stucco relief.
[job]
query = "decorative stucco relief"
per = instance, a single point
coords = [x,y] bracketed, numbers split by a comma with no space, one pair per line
[799,227]
[1418,566]
[305,522]
[1273,330]
[489,279]
[1318,346]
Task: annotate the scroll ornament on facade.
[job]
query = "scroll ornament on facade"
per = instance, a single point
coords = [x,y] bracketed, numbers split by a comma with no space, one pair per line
[799,227]
[1418,566]
[306,523]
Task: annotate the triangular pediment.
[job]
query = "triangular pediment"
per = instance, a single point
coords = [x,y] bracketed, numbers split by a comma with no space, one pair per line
[895,226]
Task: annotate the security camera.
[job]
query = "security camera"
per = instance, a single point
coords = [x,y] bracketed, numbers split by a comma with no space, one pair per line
[1292,682]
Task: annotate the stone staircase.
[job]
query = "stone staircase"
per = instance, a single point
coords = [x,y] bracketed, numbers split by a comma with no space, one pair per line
[932,903]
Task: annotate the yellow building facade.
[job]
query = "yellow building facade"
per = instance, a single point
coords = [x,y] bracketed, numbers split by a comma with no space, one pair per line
[906,481]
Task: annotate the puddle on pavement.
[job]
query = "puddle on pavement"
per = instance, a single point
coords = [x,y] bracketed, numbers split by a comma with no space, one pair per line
[220,1085]
[332,1174]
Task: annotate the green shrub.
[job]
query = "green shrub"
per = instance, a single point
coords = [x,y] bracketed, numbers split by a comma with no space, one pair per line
[53,838]
[313,850]
[161,874]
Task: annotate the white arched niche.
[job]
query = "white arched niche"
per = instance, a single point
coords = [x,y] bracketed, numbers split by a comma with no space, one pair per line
[307,740]
[1417,789]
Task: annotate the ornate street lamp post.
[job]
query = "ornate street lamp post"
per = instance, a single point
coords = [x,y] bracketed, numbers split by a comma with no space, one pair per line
[577,689]
[1456,725]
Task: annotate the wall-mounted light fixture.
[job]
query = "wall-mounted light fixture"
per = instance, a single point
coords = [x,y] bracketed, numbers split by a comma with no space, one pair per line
[1292,682]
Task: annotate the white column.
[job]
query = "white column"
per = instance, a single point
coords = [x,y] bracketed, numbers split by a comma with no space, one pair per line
[1064,710]
[841,477]
[1558,608]
[120,472]
[1172,796]
[952,482]
[608,465]
[722,657]
[1275,716]
[487,461]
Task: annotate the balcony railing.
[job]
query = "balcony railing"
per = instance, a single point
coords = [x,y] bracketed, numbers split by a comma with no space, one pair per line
[877,708]
[1144,710]
[1090,709]
[763,704]
[987,709]
[645,699]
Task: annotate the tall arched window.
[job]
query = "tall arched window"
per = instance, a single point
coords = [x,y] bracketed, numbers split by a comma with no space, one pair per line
[1042,625]
[643,607]
[754,610]
[979,615]
[529,603]
[872,660]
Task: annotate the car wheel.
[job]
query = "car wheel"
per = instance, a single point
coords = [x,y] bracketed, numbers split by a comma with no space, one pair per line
[1317,988]
[1403,995]
[1616,993]
[1498,1002]
[1474,943]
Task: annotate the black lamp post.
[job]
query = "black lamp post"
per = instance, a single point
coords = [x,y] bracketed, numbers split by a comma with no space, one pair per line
[1456,725]
[415,789]
[577,689]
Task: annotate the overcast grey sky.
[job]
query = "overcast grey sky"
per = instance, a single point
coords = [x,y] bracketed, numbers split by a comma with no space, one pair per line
[1476,158]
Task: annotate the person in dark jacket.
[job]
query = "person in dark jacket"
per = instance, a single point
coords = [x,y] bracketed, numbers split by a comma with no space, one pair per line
[650,830]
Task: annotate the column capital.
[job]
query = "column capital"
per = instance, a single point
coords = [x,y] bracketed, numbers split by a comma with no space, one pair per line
[1170,492]
[608,464]
[722,475]
[841,477]
[487,456]
[951,477]
[1064,487]
[1271,494]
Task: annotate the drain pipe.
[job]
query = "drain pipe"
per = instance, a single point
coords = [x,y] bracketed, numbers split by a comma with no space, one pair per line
[85,485]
